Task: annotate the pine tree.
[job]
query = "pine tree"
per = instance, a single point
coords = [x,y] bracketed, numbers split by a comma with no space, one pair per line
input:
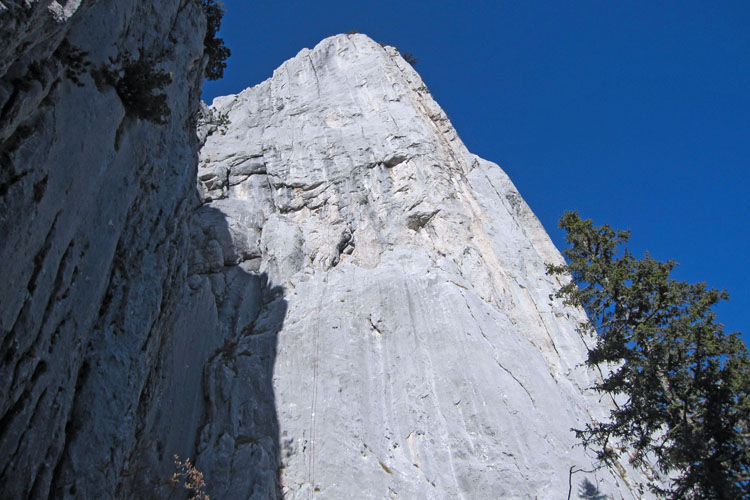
[217,52]
[681,384]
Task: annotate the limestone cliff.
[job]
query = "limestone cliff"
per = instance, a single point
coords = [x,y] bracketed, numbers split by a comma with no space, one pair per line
[414,349]
[94,211]
[346,303]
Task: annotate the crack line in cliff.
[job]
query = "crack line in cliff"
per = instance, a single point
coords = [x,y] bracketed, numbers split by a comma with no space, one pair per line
[429,367]
[493,350]
[315,72]
[513,212]
[72,424]
[420,106]
[311,467]
[551,339]
[541,317]
[31,354]
[7,350]
[29,425]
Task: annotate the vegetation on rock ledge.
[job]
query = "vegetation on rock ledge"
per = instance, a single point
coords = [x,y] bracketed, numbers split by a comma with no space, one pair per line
[137,82]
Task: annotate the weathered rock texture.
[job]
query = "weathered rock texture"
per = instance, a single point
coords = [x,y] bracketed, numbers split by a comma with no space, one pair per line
[94,240]
[417,352]
[348,304]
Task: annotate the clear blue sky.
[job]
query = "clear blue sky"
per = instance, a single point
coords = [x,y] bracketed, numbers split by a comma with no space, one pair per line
[637,114]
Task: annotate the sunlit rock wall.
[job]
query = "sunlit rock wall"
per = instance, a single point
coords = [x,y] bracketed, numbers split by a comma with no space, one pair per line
[420,354]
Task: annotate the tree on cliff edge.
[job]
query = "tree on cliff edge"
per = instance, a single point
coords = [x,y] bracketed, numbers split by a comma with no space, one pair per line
[214,46]
[681,384]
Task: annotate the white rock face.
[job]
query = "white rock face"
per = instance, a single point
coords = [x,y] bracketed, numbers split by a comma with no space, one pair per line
[386,326]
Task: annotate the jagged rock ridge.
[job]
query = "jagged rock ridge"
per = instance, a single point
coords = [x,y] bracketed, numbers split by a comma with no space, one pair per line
[416,351]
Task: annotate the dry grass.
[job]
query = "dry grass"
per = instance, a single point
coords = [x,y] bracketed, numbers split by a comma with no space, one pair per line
[190,478]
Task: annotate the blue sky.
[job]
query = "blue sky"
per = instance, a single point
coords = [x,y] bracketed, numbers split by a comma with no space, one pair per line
[637,114]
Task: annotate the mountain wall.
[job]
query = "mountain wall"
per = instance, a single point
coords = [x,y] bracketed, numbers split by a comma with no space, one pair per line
[94,240]
[334,300]
[415,350]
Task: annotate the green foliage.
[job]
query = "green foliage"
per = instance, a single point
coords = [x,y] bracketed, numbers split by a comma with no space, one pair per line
[222,119]
[222,122]
[137,83]
[217,52]
[409,57]
[682,384]
[219,120]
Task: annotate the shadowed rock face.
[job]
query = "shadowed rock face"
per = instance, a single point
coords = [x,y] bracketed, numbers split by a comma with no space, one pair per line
[421,355]
[94,239]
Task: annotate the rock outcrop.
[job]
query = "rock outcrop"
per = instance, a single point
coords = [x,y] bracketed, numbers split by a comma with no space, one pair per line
[417,351]
[94,240]
[347,304]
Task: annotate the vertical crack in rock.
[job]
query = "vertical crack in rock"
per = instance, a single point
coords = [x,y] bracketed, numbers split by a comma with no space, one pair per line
[492,348]
[315,73]
[314,403]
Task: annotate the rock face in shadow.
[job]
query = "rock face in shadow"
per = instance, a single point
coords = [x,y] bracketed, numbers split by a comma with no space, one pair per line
[121,344]
[95,205]
[214,386]
[421,355]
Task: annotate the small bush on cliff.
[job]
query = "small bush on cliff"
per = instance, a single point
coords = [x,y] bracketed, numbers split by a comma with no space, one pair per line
[215,49]
[409,57]
[138,83]
[190,478]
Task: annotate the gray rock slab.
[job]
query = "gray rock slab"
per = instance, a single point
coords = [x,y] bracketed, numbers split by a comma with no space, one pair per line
[421,354]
